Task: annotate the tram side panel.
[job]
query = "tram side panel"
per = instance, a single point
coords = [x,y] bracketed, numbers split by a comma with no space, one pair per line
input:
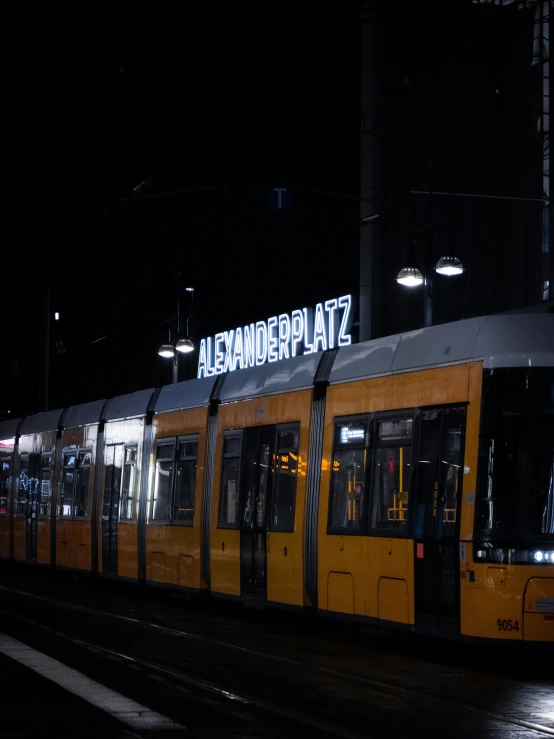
[177,469]
[510,602]
[259,498]
[75,505]
[7,461]
[33,497]
[119,498]
[366,555]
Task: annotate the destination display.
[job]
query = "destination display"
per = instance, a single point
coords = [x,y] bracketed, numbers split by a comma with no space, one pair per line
[304,331]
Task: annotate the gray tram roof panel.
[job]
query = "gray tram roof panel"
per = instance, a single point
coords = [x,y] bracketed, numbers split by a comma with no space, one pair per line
[8,429]
[183,395]
[83,414]
[295,373]
[522,340]
[368,359]
[132,405]
[447,343]
[47,421]
[498,340]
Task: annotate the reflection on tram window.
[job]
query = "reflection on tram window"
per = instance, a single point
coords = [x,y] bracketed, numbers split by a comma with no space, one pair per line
[285,476]
[161,502]
[23,486]
[128,492]
[82,484]
[515,499]
[45,485]
[68,482]
[5,483]
[451,467]
[392,475]
[185,485]
[229,493]
[544,520]
[347,503]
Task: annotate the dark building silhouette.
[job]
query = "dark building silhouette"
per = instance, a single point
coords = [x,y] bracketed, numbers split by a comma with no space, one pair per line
[455,99]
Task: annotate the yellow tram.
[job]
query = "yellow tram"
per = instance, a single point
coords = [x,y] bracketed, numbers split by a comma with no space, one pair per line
[406,481]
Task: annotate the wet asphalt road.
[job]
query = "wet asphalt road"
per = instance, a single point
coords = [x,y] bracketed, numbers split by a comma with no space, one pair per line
[221,670]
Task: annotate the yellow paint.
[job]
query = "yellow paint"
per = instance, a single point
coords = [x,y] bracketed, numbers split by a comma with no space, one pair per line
[4,537]
[340,592]
[127,541]
[285,580]
[167,543]
[368,559]
[43,542]
[393,600]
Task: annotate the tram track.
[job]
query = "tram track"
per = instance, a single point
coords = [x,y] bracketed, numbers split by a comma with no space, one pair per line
[380,686]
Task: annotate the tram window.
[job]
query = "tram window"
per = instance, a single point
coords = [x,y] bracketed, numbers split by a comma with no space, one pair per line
[348,490]
[82,483]
[451,466]
[23,486]
[161,503]
[68,482]
[392,474]
[128,492]
[45,485]
[5,484]
[230,470]
[285,477]
[544,516]
[347,502]
[183,511]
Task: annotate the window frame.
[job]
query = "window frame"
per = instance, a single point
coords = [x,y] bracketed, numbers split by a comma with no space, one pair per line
[133,497]
[183,440]
[175,442]
[279,428]
[9,459]
[77,451]
[50,468]
[337,446]
[27,458]
[402,414]
[229,434]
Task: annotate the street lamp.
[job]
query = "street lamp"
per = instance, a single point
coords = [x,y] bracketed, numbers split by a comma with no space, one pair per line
[167,351]
[414,277]
[184,345]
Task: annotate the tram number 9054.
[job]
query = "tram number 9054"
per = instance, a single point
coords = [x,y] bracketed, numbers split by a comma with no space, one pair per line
[504,625]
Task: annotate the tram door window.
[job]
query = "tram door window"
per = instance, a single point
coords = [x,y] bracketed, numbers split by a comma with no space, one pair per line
[33,500]
[436,514]
[110,512]
[256,484]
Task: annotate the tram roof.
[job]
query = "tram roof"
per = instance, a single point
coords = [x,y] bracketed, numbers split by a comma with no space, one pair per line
[8,429]
[39,422]
[83,414]
[296,373]
[183,395]
[499,341]
[131,405]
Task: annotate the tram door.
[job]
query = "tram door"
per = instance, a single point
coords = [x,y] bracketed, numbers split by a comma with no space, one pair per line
[33,501]
[438,496]
[110,511]
[256,488]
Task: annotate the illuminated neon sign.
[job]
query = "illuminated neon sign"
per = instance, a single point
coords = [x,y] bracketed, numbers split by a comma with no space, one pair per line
[303,331]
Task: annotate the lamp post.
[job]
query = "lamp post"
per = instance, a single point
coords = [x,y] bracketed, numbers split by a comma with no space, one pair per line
[183,344]
[413,277]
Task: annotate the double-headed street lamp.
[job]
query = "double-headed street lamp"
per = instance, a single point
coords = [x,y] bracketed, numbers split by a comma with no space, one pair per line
[183,345]
[413,277]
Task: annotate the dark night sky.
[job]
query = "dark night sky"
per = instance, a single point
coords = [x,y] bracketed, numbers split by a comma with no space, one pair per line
[223,103]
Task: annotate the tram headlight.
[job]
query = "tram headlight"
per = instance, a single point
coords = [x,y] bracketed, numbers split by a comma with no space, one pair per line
[539,556]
